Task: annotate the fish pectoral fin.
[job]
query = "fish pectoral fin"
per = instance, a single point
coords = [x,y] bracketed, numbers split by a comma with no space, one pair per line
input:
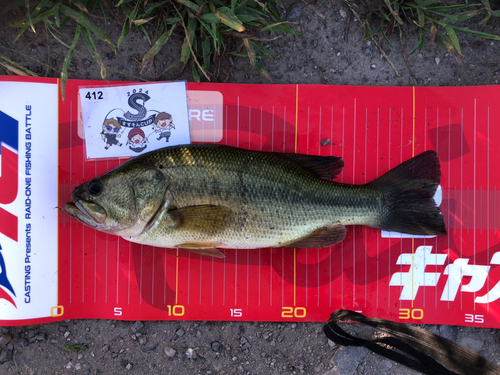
[207,248]
[202,219]
[322,237]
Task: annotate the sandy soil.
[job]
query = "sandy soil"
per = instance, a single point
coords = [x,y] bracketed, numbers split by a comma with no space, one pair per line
[331,50]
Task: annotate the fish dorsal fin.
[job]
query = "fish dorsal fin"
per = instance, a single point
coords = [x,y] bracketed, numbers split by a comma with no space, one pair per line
[322,237]
[203,248]
[202,219]
[325,167]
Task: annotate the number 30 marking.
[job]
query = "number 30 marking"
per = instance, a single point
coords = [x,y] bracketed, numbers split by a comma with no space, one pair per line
[416,314]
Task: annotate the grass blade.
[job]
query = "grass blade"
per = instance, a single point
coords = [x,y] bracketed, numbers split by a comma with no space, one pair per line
[86,24]
[189,4]
[87,38]
[228,18]
[67,61]
[453,37]
[157,46]
[15,68]
[253,59]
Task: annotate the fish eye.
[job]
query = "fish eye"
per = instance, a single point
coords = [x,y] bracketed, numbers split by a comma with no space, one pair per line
[95,187]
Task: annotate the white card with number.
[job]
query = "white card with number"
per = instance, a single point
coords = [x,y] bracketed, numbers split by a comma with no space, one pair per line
[121,121]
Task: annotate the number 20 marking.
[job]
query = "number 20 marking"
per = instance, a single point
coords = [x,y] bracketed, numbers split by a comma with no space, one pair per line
[293,312]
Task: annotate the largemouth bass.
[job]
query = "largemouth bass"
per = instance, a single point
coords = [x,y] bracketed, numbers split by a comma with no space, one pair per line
[206,197]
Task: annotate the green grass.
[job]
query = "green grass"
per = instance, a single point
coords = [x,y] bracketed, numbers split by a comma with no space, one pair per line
[439,21]
[213,29]
[206,28]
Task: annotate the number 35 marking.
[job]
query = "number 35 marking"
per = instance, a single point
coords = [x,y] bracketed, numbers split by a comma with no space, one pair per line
[469,318]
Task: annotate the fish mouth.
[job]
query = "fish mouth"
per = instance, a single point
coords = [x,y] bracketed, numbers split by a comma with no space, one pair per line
[88,213]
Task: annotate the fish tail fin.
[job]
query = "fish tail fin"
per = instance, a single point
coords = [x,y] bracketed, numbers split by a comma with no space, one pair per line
[407,197]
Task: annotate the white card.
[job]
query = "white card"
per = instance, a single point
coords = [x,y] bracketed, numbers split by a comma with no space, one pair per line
[122,121]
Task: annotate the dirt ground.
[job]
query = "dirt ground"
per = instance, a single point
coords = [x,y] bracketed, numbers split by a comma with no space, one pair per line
[331,50]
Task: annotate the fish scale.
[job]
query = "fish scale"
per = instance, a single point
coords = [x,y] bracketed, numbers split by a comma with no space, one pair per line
[203,197]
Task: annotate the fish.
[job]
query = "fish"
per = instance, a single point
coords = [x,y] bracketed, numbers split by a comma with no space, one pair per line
[204,198]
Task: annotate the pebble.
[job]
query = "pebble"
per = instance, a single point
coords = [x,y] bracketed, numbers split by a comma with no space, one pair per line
[78,366]
[129,366]
[5,339]
[169,351]
[295,11]
[437,60]
[24,342]
[105,348]
[324,143]
[10,347]
[63,328]
[243,340]
[216,346]
[373,66]
[347,358]
[191,354]
[472,344]
[80,355]
[343,13]
[66,334]
[31,333]
[143,341]
[180,332]
[53,341]
[40,337]
[137,326]
[5,355]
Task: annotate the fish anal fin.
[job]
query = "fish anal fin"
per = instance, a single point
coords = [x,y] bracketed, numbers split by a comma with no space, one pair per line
[202,219]
[203,248]
[322,237]
[325,167]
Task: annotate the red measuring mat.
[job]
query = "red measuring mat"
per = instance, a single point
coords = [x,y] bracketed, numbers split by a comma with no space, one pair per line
[451,279]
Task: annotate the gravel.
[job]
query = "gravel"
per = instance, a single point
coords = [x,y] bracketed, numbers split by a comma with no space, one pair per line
[137,326]
[169,351]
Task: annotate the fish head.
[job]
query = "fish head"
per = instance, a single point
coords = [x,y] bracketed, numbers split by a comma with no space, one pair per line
[120,202]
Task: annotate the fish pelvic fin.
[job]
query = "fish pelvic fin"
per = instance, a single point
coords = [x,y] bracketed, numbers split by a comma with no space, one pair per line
[203,249]
[408,190]
[322,237]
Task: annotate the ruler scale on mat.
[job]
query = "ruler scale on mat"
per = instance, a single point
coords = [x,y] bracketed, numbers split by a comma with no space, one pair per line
[452,279]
